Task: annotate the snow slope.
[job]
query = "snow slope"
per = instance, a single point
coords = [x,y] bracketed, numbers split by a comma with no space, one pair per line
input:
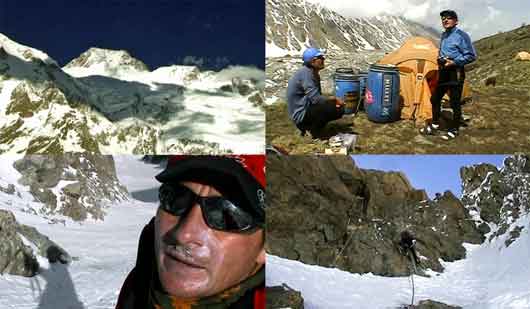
[488,278]
[104,251]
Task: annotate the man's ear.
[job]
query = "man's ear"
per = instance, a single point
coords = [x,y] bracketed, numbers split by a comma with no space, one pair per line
[262,256]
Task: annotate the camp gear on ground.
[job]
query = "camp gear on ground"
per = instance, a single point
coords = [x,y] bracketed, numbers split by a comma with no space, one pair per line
[311,53]
[418,77]
[347,88]
[303,90]
[382,93]
[218,212]
[341,143]
[448,13]
[239,178]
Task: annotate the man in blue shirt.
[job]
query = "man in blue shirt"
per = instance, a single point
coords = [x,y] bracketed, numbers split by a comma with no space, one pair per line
[456,50]
[307,107]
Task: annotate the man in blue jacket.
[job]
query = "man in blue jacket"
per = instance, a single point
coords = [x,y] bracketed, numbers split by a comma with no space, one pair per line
[456,50]
[307,107]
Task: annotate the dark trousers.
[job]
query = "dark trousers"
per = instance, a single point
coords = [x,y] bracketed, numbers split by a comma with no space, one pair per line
[318,115]
[450,81]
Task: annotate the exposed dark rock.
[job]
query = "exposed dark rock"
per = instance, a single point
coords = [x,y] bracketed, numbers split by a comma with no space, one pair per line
[499,197]
[46,247]
[514,235]
[326,211]
[15,257]
[431,304]
[257,99]
[10,189]
[86,182]
[279,297]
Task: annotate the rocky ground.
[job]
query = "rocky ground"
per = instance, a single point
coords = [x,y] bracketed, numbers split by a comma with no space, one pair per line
[73,185]
[498,123]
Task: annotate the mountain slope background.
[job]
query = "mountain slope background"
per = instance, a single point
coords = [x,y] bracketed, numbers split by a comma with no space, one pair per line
[292,26]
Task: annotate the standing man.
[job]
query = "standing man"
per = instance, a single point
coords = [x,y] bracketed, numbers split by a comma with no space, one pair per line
[456,50]
[205,246]
[307,107]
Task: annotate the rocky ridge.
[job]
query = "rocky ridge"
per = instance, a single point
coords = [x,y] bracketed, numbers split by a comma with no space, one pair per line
[352,218]
[499,199]
[73,185]
[291,26]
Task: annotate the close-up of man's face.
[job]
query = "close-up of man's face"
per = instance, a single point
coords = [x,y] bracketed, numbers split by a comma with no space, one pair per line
[195,260]
[318,62]
[449,22]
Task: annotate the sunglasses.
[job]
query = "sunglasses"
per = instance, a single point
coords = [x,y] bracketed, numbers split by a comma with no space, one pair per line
[320,57]
[218,212]
[447,17]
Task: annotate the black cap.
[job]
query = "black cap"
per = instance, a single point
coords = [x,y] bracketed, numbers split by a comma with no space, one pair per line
[233,176]
[449,13]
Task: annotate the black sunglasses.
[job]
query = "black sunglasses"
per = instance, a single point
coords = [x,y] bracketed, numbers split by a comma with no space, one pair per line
[218,212]
[447,17]
[320,57]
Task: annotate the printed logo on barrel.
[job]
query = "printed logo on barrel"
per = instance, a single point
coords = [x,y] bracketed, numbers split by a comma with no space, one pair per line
[369,98]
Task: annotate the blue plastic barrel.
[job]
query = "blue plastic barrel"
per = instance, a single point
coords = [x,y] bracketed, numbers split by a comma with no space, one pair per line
[381,101]
[347,89]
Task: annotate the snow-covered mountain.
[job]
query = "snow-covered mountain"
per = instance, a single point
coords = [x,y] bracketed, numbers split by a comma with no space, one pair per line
[292,26]
[492,274]
[107,101]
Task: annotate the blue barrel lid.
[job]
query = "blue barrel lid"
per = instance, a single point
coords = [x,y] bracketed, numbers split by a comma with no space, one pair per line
[384,67]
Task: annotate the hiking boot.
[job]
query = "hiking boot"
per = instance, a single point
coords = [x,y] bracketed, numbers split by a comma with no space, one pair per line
[302,132]
[430,129]
[451,134]
[316,133]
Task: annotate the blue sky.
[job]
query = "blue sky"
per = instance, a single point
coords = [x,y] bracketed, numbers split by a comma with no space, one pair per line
[434,173]
[158,32]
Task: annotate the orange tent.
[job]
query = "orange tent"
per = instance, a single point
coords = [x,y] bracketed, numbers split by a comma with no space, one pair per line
[418,75]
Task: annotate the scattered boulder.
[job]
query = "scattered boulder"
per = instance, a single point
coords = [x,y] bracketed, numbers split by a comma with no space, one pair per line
[490,80]
[523,56]
[283,297]
[431,304]
[75,185]
[46,247]
[10,189]
[15,257]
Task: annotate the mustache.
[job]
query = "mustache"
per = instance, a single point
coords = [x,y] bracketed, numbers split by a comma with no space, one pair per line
[181,249]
